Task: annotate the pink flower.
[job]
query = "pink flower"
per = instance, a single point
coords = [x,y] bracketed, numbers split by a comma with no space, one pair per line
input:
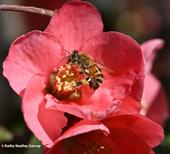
[38,69]
[130,134]
[155,104]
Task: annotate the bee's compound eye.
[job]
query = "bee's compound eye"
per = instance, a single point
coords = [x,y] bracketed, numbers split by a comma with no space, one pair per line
[75,51]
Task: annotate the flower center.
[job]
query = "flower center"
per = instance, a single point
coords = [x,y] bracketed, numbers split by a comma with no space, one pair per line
[66,83]
[63,83]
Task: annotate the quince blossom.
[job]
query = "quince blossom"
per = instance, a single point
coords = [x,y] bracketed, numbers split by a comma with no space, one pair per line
[38,70]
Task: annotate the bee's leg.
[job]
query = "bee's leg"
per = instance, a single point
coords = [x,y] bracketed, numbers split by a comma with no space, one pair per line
[88,79]
[80,82]
[86,71]
[84,81]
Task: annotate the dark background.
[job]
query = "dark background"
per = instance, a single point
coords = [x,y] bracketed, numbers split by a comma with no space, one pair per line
[141,19]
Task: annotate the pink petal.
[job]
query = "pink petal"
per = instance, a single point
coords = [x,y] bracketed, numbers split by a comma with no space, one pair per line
[138,86]
[75,23]
[119,141]
[51,121]
[149,49]
[95,142]
[33,53]
[127,142]
[116,51]
[83,143]
[98,106]
[82,127]
[128,106]
[74,109]
[123,55]
[152,86]
[132,103]
[154,96]
[99,110]
[45,124]
[145,129]
[159,105]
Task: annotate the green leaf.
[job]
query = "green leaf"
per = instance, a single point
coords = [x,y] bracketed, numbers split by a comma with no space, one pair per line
[167,141]
[5,135]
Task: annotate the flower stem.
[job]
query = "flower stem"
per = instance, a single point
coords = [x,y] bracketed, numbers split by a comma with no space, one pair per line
[28,9]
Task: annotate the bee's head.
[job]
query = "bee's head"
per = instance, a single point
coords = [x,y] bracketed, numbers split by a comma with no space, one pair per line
[74,56]
[75,52]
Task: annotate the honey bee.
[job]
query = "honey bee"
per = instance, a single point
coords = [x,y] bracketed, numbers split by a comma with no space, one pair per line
[92,69]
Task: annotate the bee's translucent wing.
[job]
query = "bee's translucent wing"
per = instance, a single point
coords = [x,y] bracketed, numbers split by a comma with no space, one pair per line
[109,70]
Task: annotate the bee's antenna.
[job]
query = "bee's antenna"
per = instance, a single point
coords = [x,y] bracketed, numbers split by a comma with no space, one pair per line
[67,55]
[67,52]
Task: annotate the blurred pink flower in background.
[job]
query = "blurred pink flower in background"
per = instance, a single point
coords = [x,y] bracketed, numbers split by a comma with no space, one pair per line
[155,104]
[138,19]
